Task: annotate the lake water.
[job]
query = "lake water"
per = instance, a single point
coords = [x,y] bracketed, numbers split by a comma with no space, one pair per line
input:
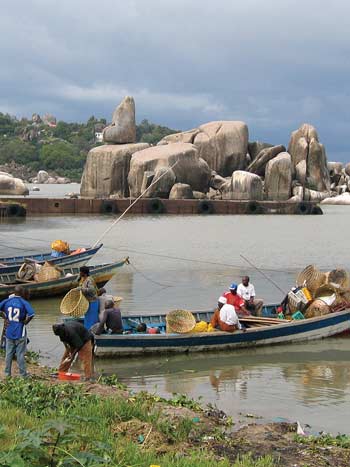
[187,262]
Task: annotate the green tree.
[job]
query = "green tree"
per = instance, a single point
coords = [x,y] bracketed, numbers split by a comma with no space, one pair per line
[60,155]
[19,151]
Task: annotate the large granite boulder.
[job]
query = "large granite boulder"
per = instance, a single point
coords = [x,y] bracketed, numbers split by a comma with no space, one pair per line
[123,128]
[244,186]
[342,199]
[181,191]
[189,168]
[255,147]
[223,144]
[42,176]
[335,168]
[265,155]
[163,179]
[304,145]
[347,169]
[106,170]
[10,185]
[309,195]
[278,177]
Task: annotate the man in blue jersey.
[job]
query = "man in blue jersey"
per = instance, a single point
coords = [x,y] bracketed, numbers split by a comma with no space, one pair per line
[17,312]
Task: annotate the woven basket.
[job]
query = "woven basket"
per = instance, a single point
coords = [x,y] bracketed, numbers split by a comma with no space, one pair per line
[74,304]
[339,276]
[312,278]
[317,308]
[48,273]
[180,321]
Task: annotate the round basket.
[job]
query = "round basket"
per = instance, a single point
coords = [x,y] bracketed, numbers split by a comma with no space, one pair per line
[74,304]
[312,278]
[180,321]
[317,308]
[48,273]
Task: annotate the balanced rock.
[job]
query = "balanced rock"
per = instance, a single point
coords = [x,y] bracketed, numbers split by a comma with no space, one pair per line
[222,144]
[278,177]
[123,128]
[255,147]
[304,145]
[42,176]
[181,191]
[10,185]
[243,185]
[189,167]
[265,155]
[106,170]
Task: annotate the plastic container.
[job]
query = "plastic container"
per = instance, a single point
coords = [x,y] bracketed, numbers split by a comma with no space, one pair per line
[298,315]
[68,376]
[307,293]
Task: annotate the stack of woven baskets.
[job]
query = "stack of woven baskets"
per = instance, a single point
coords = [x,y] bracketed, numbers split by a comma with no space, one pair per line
[48,273]
[326,288]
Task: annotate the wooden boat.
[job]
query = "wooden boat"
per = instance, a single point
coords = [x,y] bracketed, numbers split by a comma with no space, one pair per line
[101,274]
[11,265]
[270,332]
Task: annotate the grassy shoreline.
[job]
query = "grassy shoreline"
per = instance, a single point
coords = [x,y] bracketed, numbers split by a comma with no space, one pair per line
[44,422]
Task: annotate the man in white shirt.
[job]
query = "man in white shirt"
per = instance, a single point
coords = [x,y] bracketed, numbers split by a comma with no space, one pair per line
[225,317]
[247,291]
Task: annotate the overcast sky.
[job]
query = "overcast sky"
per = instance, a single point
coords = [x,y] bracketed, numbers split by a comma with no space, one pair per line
[274,64]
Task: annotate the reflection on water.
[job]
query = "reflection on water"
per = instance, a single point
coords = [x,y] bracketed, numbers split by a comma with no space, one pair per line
[308,382]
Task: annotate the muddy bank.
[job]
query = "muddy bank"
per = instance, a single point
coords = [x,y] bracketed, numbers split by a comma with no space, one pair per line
[211,429]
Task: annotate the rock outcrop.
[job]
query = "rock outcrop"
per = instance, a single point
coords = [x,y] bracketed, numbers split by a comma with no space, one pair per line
[106,170]
[123,128]
[42,176]
[223,144]
[163,179]
[244,186]
[189,168]
[255,147]
[304,145]
[10,185]
[258,165]
[181,191]
[278,177]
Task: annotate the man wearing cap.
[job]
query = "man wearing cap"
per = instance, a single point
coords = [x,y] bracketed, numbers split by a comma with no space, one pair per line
[111,318]
[225,317]
[247,291]
[236,300]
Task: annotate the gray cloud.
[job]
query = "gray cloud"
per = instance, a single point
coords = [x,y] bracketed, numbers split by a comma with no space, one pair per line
[272,64]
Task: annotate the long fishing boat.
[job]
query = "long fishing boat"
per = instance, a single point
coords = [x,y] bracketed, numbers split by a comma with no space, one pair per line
[12,264]
[260,332]
[101,274]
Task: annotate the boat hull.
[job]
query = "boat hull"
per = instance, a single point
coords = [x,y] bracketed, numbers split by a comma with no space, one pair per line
[286,333]
[13,264]
[101,274]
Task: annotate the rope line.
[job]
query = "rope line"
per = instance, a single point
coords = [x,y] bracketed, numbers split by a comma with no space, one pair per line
[132,204]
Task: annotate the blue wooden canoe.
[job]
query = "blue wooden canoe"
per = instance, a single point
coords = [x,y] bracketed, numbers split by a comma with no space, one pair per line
[111,345]
[101,274]
[12,264]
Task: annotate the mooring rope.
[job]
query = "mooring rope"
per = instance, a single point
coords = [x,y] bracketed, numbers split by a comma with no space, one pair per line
[132,204]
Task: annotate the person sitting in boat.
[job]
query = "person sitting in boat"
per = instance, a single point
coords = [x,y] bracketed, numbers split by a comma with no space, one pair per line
[236,300]
[111,318]
[225,317]
[103,296]
[143,329]
[89,289]
[247,291]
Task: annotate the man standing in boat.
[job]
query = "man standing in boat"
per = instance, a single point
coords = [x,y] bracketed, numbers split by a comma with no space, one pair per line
[90,291]
[247,291]
[17,312]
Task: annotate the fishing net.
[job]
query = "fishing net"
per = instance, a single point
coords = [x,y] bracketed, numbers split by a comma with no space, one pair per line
[317,308]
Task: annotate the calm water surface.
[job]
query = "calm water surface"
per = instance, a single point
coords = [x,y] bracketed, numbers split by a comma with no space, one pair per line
[187,262]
